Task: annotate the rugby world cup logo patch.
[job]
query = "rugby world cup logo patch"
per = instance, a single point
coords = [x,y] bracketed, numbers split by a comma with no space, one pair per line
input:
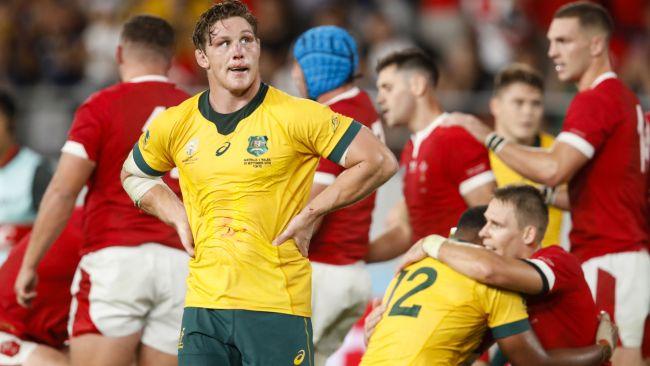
[257,145]
[192,147]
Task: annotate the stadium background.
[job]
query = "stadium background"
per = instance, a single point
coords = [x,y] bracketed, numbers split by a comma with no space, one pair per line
[55,53]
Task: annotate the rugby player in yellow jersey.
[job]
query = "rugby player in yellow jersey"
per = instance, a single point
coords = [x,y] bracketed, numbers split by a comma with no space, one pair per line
[246,154]
[434,315]
[517,107]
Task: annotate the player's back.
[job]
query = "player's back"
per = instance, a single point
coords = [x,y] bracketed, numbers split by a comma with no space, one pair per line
[342,237]
[106,127]
[436,316]
[608,207]
[442,164]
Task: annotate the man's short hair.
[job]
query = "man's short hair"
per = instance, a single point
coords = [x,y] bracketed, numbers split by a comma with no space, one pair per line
[518,73]
[220,11]
[8,109]
[589,14]
[470,223]
[529,205]
[411,59]
[151,32]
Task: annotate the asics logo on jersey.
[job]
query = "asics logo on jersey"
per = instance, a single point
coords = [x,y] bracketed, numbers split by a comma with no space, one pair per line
[222,150]
[299,358]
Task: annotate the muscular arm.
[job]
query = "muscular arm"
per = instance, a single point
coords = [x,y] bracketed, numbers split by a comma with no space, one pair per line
[490,268]
[480,195]
[316,189]
[395,240]
[154,197]
[525,349]
[549,167]
[54,211]
[368,164]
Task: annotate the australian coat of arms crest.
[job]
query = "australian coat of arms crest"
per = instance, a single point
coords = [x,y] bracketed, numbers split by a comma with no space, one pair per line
[257,145]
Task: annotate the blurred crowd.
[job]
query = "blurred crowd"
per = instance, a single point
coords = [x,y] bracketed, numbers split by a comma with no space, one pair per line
[54,53]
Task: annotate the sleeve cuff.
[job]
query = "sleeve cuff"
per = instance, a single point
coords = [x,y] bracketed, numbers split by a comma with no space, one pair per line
[325,179]
[476,181]
[547,274]
[142,164]
[345,141]
[577,142]
[510,329]
[75,148]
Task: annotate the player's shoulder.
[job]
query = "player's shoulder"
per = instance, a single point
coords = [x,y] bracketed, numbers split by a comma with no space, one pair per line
[555,255]
[180,112]
[281,102]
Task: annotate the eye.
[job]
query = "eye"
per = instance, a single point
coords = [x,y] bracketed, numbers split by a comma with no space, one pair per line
[223,44]
[246,40]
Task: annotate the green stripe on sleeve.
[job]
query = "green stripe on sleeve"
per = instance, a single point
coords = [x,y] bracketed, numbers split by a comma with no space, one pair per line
[510,329]
[139,161]
[345,141]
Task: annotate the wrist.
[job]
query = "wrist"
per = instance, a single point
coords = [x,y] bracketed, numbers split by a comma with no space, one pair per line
[431,245]
[495,142]
[605,350]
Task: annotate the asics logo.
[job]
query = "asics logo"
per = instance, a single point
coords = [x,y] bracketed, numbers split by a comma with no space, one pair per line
[222,150]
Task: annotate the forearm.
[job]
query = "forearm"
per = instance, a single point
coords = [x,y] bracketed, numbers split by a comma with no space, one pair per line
[392,243]
[350,186]
[161,202]
[54,211]
[586,356]
[474,262]
[536,164]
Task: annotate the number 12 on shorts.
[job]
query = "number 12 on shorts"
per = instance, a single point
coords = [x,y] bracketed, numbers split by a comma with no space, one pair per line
[427,277]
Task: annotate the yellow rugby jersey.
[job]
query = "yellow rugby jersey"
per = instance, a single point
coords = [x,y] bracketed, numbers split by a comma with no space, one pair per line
[504,176]
[436,316]
[243,177]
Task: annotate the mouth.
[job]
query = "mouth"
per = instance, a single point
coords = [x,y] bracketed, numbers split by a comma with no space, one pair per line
[559,67]
[238,69]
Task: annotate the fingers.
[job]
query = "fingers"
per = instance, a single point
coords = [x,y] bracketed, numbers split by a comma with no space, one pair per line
[282,238]
[25,297]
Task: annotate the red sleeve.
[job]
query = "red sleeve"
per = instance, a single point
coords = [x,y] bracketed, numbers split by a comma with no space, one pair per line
[588,118]
[557,267]
[86,128]
[329,167]
[466,159]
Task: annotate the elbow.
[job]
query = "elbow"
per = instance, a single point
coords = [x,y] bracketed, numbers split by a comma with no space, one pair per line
[551,175]
[386,165]
[123,175]
[486,273]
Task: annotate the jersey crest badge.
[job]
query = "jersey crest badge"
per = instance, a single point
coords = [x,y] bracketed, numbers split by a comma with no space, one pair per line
[191,147]
[257,145]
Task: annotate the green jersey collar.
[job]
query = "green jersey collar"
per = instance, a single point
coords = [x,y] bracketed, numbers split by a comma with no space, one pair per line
[226,123]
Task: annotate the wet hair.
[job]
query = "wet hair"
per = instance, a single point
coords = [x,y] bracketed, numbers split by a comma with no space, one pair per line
[151,32]
[589,14]
[411,59]
[518,73]
[220,11]
[8,109]
[529,205]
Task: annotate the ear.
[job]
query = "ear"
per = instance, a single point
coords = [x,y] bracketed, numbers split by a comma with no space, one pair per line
[119,57]
[598,45]
[529,235]
[494,106]
[418,84]
[201,59]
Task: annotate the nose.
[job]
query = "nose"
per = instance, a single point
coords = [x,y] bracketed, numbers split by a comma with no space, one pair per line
[484,232]
[552,50]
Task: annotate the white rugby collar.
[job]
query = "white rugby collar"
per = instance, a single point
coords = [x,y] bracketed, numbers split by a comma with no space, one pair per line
[421,135]
[602,77]
[144,78]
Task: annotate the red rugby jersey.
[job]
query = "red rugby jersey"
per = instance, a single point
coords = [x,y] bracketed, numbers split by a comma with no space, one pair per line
[343,235]
[565,315]
[104,130]
[442,164]
[46,321]
[609,209]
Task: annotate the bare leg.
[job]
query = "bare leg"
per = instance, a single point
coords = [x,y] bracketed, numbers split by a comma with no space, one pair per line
[47,356]
[98,350]
[149,356]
